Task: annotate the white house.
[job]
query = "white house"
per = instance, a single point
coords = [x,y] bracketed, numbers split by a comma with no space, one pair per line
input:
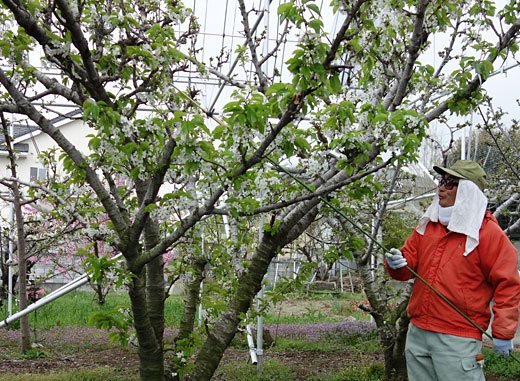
[29,142]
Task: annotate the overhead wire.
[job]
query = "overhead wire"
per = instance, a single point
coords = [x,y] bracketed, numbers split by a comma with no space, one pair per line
[224,28]
[211,108]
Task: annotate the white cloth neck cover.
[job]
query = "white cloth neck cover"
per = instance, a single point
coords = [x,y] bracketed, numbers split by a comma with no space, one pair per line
[445,214]
[466,216]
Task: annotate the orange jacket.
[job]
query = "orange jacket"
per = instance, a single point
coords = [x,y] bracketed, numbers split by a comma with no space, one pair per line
[470,282]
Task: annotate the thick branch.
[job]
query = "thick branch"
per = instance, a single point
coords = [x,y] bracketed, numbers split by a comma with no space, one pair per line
[52,51]
[506,204]
[513,228]
[92,82]
[55,87]
[150,196]
[419,37]
[341,34]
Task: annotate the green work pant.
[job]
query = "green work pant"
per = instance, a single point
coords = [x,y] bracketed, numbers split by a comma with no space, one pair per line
[432,356]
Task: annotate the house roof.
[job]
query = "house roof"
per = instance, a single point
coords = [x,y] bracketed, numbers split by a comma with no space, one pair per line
[22,129]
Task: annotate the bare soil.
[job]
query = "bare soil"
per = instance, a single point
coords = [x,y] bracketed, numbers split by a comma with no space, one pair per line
[47,359]
[66,348]
[125,361]
[59,355]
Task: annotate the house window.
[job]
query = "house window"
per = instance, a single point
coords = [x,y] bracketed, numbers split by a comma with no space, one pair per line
[38,174]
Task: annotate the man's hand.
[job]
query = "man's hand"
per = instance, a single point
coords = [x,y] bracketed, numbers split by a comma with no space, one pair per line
[502,346]
[395,259]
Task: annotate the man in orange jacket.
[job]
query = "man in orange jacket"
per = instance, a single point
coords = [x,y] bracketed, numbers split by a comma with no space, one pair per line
[458,248]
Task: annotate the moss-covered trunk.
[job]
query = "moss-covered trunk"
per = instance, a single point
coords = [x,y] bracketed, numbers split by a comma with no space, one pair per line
[151,359]
[155,296]
[191,298]
[249,284]
[392,323]
[147,296]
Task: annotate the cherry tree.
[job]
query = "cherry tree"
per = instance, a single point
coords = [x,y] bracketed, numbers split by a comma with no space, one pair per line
[161,166]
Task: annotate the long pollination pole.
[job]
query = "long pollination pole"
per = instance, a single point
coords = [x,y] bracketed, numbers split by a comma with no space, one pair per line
[375,241]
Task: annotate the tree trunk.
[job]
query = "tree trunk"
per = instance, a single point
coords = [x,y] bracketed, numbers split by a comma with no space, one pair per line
[191,299]
[147,296]
[400,341]
[392,324]
[3,269]
[151,362]
[155,293]
[249,285]
[22,271]
[98,286]
[100,294]
[20,233]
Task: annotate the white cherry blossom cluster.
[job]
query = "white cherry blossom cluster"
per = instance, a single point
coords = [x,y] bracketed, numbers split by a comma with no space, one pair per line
[265,183]
[316,165]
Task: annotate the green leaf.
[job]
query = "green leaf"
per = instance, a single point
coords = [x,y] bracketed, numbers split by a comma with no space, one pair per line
[314,8]
[129,148]
[484,68]
[335,83]
[134,174]
[284,10]
[150,207]
[316,25]
[301,143]
[207,148]
[288,148]
[218,132]
[381,117]
[94,143]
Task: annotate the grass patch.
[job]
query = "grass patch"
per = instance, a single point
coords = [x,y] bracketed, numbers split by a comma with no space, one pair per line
[273,370]
[362,343]
[501,366]
[317,308]
[75,308]
[367,373]
[96,374]
[309,317]
[299,345]
[34,353]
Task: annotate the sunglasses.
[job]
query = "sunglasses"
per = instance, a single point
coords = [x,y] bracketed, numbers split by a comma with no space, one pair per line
[448,182]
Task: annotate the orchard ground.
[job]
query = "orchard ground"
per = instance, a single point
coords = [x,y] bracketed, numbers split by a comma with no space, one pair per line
[340,348]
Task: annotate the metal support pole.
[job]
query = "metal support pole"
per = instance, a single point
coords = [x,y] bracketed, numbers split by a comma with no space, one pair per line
[251,344]
[340,275]
[65,289]
[10,249]
[49,298]
[201,308]
[260,333]
[275,273]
